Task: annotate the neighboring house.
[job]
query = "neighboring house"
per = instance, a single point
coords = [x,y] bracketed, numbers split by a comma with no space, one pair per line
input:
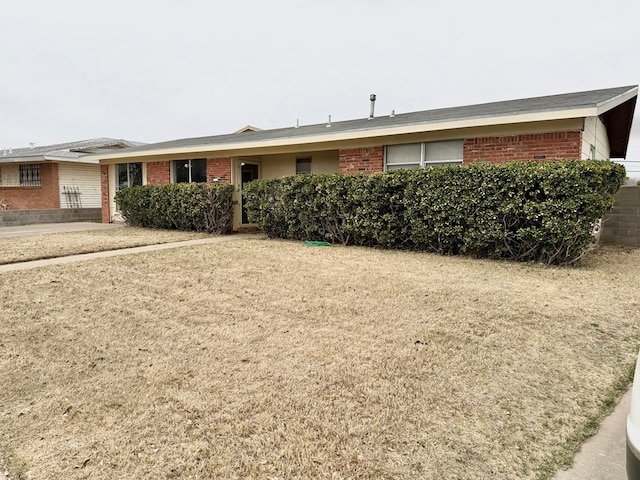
[594,124]
[54,176]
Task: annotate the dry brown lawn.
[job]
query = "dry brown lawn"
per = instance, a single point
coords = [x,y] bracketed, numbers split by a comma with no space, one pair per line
[268,359]
[37,247]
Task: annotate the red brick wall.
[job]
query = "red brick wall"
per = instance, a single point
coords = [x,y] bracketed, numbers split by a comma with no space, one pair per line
[104,193]
[540,146]
[219,168]
[361,160]
[158,173]
[47,195]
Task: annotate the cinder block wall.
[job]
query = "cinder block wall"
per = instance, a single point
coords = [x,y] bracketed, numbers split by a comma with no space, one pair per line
[621,226]
[14,218]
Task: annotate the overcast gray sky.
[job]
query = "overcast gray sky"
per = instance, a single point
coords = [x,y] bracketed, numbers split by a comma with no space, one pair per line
[160,70]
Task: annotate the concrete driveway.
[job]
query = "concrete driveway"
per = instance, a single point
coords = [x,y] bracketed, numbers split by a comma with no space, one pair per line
[44,228]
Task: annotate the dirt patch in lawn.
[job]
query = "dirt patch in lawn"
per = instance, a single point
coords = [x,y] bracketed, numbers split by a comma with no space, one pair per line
[38,247]
[265,359]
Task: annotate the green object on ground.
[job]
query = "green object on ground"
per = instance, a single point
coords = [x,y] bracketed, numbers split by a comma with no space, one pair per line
[313,243]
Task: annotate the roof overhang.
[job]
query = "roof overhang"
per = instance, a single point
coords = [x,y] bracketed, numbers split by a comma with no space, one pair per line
[615,111]
[618,119]
[47,158]
[329,138]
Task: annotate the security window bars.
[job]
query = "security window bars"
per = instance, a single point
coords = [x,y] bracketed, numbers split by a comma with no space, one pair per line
[30,175]
[190,171]
[420,155]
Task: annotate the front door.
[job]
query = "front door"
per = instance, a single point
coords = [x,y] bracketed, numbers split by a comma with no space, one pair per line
[248,173]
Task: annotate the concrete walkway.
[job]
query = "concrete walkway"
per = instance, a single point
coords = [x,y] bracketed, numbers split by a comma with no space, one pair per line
[602,457]
[40,229]
[123,251]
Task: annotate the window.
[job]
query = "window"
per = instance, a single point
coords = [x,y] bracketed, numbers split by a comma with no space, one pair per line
[190,171]
[30,175]
[419,155]
[128,175]
[303,165]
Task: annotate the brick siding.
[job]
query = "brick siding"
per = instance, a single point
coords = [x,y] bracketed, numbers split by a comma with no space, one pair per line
[361,160]
[512,148]
[158,173]
[219,168]
[47,195]
[104,193]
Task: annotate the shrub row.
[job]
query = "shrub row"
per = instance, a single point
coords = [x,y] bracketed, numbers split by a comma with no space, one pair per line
[543,212]
[200,207]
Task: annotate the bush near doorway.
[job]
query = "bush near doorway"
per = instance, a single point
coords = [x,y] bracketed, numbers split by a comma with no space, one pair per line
[525,211]
[201,207]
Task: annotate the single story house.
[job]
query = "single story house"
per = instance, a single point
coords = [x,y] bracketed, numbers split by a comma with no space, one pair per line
[61,176]
[594,124]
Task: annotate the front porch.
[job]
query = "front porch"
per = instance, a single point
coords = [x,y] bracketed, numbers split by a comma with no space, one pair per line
[236,170]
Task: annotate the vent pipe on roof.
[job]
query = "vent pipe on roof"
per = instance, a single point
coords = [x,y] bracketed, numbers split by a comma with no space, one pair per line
[329,122]
[372,97]
[297,123]
[393,113]
[32,145]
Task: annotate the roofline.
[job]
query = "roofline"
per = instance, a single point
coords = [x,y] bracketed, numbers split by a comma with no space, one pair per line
[604,107]
[46,158]
[365,133]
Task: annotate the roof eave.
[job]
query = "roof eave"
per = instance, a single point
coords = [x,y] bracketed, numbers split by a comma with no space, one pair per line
[359,134]
[618,121]
[610,104]
[29,159]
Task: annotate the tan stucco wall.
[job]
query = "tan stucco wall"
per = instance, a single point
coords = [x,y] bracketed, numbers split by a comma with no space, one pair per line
[276,166]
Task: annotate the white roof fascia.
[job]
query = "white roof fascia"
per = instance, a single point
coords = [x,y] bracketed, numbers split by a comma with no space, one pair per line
[71,160]
[34,159]
[47,158]
[361,134]
[607,105]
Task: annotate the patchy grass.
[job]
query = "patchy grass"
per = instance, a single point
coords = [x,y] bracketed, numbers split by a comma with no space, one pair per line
[38,247]
[266,359]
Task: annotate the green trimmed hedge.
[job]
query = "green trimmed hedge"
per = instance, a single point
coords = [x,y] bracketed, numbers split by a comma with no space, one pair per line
[527,211]
[201,207]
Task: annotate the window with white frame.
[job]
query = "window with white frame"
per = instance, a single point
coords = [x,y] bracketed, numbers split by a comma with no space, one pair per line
[190,171]
[427,154]
[128,175]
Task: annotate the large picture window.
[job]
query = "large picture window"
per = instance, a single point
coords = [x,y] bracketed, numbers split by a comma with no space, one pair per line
[190,171]
[129,175]
[419,155]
